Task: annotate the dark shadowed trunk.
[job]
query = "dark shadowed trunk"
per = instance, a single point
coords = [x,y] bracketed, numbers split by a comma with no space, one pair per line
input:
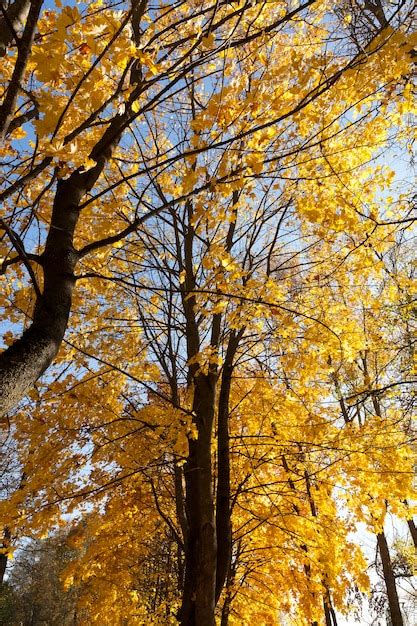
[3,565]
[230,583]
[223,500]
[389,579]
[223,521]
[327,616]
[200,553]
[198,601]
[413,531]
[3,557]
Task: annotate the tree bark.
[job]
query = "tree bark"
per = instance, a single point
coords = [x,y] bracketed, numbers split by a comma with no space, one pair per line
[223,499]
[327,616]
[30,355]
[413,531]
[201,548]
[393,601]
[223,521]
[198,600]
[3,557]
[3,565]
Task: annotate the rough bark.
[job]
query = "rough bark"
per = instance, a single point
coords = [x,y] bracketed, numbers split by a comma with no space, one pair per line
[198,601]
[201,548]
[389,579]
[30,355]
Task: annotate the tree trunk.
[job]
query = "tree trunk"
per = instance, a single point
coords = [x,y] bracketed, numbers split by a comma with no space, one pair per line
[30,355]
[200,554]
[413,531]
[329,612]
[3,557]
[223,499]
[3,565]
[226,608]
[223,521]
[393,601]
[327,616]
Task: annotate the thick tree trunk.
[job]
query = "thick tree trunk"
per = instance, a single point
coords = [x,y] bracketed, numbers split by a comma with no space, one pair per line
[28,357]
[393,601]
[201,548]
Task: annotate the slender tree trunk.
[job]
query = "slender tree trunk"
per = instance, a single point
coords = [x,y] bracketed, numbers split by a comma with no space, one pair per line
[393,601]
[4,557]
[3,565]
[226,606]
[182,520]
[223,499]
[327,616]
[329,612]
[223,521]
[333,614]
[413,531]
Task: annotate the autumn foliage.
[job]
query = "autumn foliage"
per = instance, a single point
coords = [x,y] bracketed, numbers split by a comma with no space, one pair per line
[208,302]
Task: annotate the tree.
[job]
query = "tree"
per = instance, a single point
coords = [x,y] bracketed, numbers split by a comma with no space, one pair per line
[217,248]
[8,604]
[35,582]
